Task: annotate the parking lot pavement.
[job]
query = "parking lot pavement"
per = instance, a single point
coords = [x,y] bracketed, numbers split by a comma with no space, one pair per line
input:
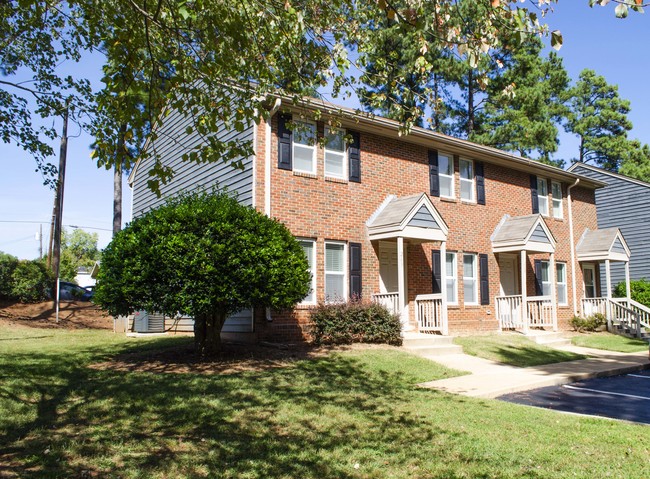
[624,397]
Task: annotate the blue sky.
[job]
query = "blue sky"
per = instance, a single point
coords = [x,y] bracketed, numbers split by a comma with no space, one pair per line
[593,38]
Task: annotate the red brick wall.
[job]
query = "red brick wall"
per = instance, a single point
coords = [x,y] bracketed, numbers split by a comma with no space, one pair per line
[324,209]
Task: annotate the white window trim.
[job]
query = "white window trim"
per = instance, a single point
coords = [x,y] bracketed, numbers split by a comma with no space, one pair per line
[313,272]
[474,279]
[541,197]
[565,283]
[300,145]
[472,181]
[345,270]
[451,177]
[344,174]
[454,277]
[554,199]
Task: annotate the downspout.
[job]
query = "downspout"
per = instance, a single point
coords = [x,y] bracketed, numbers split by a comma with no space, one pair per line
[267,169]
[573,248]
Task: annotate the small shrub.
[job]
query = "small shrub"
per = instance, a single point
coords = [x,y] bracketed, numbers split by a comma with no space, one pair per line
[31,282]
[590,323]
[639,291]
[355,322]
[8,264]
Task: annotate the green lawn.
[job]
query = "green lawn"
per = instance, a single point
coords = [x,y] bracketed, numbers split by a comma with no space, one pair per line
[514,349]
[348,415]
[610,342]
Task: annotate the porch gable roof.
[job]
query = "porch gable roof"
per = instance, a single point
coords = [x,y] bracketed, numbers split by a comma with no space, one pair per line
[602,244]
[519,233]
[412,216]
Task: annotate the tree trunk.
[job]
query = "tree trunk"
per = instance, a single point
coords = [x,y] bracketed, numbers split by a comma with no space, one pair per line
[207,333]
[117,199]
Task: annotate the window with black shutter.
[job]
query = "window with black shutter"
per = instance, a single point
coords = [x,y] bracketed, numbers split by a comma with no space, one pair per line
[436,272]
[484,278]
[355,271]
[354,157]
[434,183]
[480,182]
[284,143]
[533,193]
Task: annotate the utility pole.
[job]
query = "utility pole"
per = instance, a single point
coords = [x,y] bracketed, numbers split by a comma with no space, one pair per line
[58,208]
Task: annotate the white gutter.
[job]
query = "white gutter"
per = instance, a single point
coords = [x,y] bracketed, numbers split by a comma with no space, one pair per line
[573,248]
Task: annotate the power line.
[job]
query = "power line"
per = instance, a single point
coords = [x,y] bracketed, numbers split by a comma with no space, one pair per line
[47,222]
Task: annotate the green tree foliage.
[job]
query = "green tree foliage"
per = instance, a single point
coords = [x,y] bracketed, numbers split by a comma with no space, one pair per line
[598,116]
[639,291]
[78,249]
[31,282]
[636,163]
[205,256]
[8,264]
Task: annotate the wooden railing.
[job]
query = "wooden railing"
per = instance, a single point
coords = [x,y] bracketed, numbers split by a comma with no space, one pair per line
[539,312]
[629,314]
[389,300]
[430,314]
[509,312]
[594,305]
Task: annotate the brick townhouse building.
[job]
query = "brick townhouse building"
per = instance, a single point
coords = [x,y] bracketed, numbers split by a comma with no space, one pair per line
[453,236]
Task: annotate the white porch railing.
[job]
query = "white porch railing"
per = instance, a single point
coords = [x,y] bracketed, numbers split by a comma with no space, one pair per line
[538,312]
[592,306]
[631,315]
[430,314]
[389,300]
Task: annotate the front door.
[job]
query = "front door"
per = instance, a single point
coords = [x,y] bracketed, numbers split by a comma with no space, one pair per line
[388,267]
[508,275]
[589,275]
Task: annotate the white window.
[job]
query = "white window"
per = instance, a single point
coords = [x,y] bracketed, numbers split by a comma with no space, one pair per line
[556,190]
[470,279]
[562,296]
[542,196]
[335,153]
[335,290]
[446,175]
[304,147]
[466,168]
[545,280]
[309,248]
[451,278]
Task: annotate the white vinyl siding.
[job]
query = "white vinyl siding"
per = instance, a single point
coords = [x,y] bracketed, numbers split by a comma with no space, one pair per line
[451,278]
[467,186]
[335,268]
[470,280]
[304,147]
[446,175]
[556,190]
[309,248]
[335,153]
[542,196]
[562,296]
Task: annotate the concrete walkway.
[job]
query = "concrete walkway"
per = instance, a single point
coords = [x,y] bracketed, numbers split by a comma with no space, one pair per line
[489,379]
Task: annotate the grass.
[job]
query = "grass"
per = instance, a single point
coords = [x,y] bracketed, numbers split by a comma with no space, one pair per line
[513,349]
[348,415]
[610,342]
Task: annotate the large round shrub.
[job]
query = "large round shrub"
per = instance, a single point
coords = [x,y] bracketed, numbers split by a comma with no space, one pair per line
[206,256]
[31,282]
[8,264]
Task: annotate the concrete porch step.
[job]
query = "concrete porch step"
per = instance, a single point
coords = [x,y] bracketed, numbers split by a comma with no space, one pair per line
[430,344]
[548,338]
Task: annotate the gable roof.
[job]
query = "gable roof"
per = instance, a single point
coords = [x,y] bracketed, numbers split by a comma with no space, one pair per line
[578,165]
[412,216]
[519,233]
[602,244]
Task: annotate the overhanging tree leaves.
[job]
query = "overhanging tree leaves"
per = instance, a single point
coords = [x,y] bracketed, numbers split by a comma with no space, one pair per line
[206,256]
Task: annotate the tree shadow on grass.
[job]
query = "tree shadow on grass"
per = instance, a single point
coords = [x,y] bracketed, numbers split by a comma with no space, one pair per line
[523,356]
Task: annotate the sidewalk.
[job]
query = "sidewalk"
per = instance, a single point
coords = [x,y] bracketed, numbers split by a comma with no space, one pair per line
[489,379]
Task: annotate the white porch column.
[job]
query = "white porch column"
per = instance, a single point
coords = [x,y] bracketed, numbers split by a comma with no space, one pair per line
[401,285]
[524,299]
[627,283]
[553,279]
[608,309]
[443,287]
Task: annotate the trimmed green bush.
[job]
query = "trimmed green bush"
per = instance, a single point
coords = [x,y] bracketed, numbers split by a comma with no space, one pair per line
[8,264]
[355,322]
[591,323]
[640,291]
[31,282]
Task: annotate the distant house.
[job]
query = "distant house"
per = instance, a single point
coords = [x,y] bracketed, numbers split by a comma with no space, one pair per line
[85,277]
[624,204]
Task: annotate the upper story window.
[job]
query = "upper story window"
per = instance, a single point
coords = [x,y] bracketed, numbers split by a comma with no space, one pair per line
[335,153]
[335,290]
[309,248]
[446,175]
[467,188]
[304,147]
[556,192]
[451,278]
[542,196]
[470,280]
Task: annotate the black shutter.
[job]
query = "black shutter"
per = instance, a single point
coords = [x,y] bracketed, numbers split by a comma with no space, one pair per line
[354,157]
[434,182]
[355,271]
[284,143]
[533,193]
[484,278]
[538,277]
[480,183]
[436,272]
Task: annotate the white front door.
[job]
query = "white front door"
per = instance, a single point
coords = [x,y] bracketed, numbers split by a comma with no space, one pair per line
[589,275]
[388,267]
[508,275]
